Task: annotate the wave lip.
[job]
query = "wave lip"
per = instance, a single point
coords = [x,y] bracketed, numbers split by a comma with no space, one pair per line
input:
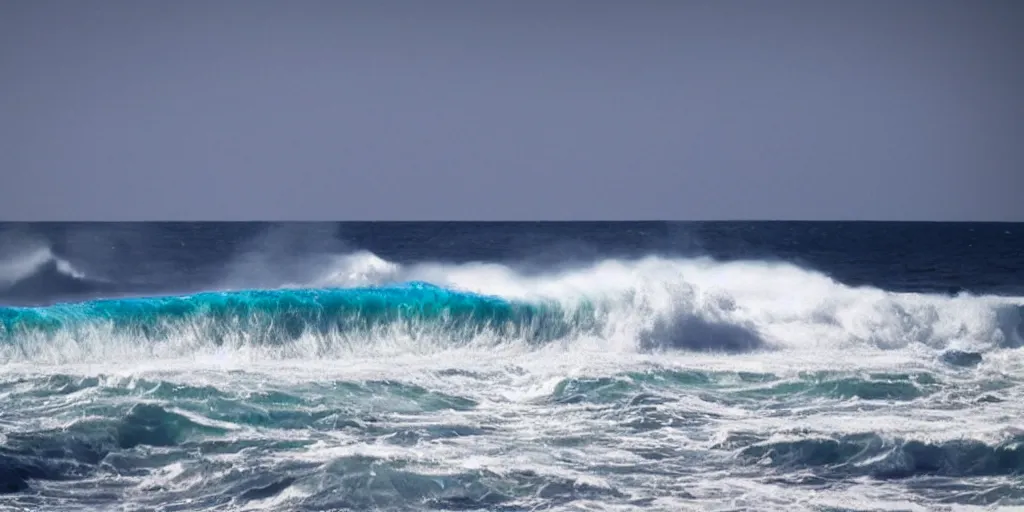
[282,315]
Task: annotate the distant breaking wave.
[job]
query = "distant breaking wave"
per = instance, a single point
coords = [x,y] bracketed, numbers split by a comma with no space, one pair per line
[38,275]
[34,262]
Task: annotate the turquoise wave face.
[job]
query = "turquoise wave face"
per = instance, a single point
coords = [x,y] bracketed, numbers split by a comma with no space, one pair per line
[269,315]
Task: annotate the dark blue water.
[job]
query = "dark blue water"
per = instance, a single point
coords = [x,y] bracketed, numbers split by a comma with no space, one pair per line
[511,366]
[152,257]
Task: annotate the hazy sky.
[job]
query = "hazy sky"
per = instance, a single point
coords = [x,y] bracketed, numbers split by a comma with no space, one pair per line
[556,109]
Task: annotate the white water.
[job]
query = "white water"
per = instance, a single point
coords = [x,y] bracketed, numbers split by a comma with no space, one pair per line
[789,307]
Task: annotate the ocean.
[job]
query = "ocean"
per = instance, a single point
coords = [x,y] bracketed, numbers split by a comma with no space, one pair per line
[511,366]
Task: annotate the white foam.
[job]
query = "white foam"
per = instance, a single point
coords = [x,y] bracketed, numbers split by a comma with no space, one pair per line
[788,305]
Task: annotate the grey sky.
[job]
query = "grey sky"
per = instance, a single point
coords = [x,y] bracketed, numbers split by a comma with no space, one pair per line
[352,110]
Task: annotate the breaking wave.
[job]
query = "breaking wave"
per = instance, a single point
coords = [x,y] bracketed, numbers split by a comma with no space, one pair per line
[37,274]
[647,304]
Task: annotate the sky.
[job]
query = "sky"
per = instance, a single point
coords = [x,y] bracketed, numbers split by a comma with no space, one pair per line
[513,110]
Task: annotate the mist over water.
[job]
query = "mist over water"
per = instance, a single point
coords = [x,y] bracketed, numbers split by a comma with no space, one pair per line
[651,367]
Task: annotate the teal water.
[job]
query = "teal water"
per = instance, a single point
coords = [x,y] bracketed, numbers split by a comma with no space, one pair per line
[280,315]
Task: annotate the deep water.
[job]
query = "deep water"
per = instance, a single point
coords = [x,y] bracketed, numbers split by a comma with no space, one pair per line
[500,367]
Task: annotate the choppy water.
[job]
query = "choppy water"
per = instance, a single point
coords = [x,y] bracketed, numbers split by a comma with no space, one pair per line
[608,379]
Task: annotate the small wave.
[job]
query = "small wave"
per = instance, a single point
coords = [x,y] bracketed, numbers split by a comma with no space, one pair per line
[76,451]
[881,458]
